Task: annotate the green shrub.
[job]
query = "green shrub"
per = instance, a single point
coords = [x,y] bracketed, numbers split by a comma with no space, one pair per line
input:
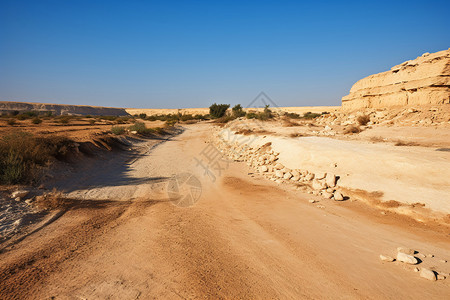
[143,116]
[292,115]
[238,111]
[11,122]
[36,120]
[310,115]
[218,110]
[22,117]
[117,130]
[139,127]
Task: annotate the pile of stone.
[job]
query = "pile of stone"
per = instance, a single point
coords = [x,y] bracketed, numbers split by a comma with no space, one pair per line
[264,160]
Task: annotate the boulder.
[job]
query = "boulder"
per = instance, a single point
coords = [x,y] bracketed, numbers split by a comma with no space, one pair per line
[263,169]
[327,195]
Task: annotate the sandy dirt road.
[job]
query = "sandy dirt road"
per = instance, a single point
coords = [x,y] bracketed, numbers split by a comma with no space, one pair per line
[244,238]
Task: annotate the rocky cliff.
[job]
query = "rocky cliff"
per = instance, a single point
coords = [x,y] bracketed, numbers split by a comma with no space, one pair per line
[62,109]
[422,81]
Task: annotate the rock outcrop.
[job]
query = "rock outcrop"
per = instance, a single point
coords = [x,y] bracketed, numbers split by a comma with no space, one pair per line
[422,81]
[62,109]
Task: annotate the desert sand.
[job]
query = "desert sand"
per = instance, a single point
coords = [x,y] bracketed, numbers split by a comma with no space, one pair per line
[352,202]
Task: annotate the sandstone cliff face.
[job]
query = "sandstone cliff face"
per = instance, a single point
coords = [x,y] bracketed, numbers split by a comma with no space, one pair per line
[422,81]
[62,109]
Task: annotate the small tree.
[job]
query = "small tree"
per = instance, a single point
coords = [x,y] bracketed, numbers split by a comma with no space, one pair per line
[238,111]
[218,110]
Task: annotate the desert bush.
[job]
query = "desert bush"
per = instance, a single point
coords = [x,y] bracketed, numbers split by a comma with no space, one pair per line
[405,143]
[292,115]
[218,110]
[363,120]
[310,115]
[171,123]
[238,111]
[140,128]
[11,122]
[117,130]
[92,122]
[64,119]
[352,129]
[36,120]
[21,117]
[143,116]
[22,155]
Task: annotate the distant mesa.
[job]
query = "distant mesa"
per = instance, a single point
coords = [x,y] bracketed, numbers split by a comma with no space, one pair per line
[62,109]
[422,81]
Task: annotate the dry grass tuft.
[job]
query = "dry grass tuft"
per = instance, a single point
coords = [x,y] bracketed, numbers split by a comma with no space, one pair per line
[363,120]
[352,129]
[405,143]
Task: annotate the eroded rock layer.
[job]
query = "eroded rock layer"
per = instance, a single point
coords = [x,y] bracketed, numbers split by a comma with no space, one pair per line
[62,109]
[422,81]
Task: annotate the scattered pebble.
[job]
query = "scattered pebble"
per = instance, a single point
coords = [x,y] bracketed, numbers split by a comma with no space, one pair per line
[420,255]
[416,269]
[430,255]
[441,277]
[406,258]
[443,261]
[428,274]
[338,196]
[312,201]
[386,258]
[320,206]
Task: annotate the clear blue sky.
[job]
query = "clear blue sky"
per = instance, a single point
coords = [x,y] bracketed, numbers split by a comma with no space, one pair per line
[176,54]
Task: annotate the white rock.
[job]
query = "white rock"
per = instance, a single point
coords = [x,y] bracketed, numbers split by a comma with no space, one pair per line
[295,173]
[330,179]
[264,169]
[20,193]
[428,274]
[312,201]
[430,255]
[443,261]
[287,176]
[316,185]
[386,258]
[295,178]
[320,175]
[406,258]
[327,195]
[279,166]
[338,196]
[441,277]
[18,199]
[309,177]
[416,269]
[279,174]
